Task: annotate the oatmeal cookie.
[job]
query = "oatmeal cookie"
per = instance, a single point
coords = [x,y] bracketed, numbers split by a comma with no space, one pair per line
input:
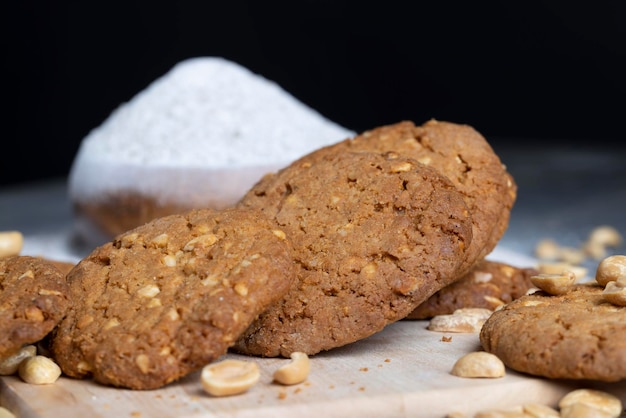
[463,155]
[577,335]
[373,236]
[34,297]
[166,298]
[488,285]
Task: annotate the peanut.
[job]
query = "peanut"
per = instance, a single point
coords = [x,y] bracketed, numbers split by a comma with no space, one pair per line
[295,372]
[39,370]
[461,320]
[610,269]
[11,243]
[229,377]
[554,284]
[615,292]
[479,364]
[9,365]
[590,403]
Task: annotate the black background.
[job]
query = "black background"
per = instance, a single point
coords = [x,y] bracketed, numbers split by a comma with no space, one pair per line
[532,73]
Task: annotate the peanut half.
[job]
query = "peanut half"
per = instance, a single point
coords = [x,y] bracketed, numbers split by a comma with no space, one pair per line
[611,269]
[592,402]
[229,377]
[478,364]
[11,243]
[39,370]
[554,284]
[10,364]
[295,372]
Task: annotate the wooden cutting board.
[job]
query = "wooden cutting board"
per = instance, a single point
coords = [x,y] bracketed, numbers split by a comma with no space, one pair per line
[403,371]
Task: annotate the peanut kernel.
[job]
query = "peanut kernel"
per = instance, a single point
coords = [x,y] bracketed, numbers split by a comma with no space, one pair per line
[479,364]
[554,284]
[148,291]
[229,377]
[143,362]
[11,243]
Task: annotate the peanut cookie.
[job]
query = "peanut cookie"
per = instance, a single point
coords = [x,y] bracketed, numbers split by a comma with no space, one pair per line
[166,298]
[489,284]
[577,335]
[463,155]
[33,299]
[373,235]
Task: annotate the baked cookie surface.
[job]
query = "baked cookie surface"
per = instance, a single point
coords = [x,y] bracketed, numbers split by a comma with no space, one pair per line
[488,285]
[34,297]
[577,335]
[461,154]
[166,298]
[373,237]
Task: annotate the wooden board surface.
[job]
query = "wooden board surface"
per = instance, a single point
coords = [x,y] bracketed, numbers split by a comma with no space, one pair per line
[404,371]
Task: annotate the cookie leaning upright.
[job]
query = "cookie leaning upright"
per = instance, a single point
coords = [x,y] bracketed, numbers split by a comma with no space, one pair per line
[373,237]
[465,157]
[33,299]
[577,335]
[166,298]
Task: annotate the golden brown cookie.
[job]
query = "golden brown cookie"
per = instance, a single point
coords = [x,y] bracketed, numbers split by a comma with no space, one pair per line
[463,155]
[166,298]
[373,237]
[577,335]
[488,285]
[33,299]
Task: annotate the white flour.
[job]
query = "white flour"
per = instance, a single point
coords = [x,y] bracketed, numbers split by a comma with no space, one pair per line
[206,113]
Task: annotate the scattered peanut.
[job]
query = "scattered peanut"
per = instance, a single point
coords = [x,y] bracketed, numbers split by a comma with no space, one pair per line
[605,235]
[535,410]
[615,292]
[479,364]
[554,284]
[581,410]
[295,372]
[229,377]
[461,320]
[602,404]
[39,370]
[502,413]
[11,243]
[572,255]
[610,269]
[558,268]
[547,249]
[9,365]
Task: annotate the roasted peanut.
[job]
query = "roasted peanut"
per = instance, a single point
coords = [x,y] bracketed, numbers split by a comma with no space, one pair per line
[9,365]
[605,235]
[554,284]
[229,377]
[295,372]
[461,320]
[11,243]
[558,268]
[581,402]
[615,292]
[547,249]
[610,269]
[535,410]
[39,370]
[479,364]
[501,413]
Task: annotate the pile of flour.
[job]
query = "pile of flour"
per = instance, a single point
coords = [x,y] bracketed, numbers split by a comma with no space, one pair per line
[206,113]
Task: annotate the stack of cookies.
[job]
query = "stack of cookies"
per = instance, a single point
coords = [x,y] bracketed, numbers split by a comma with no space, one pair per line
[325,252]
